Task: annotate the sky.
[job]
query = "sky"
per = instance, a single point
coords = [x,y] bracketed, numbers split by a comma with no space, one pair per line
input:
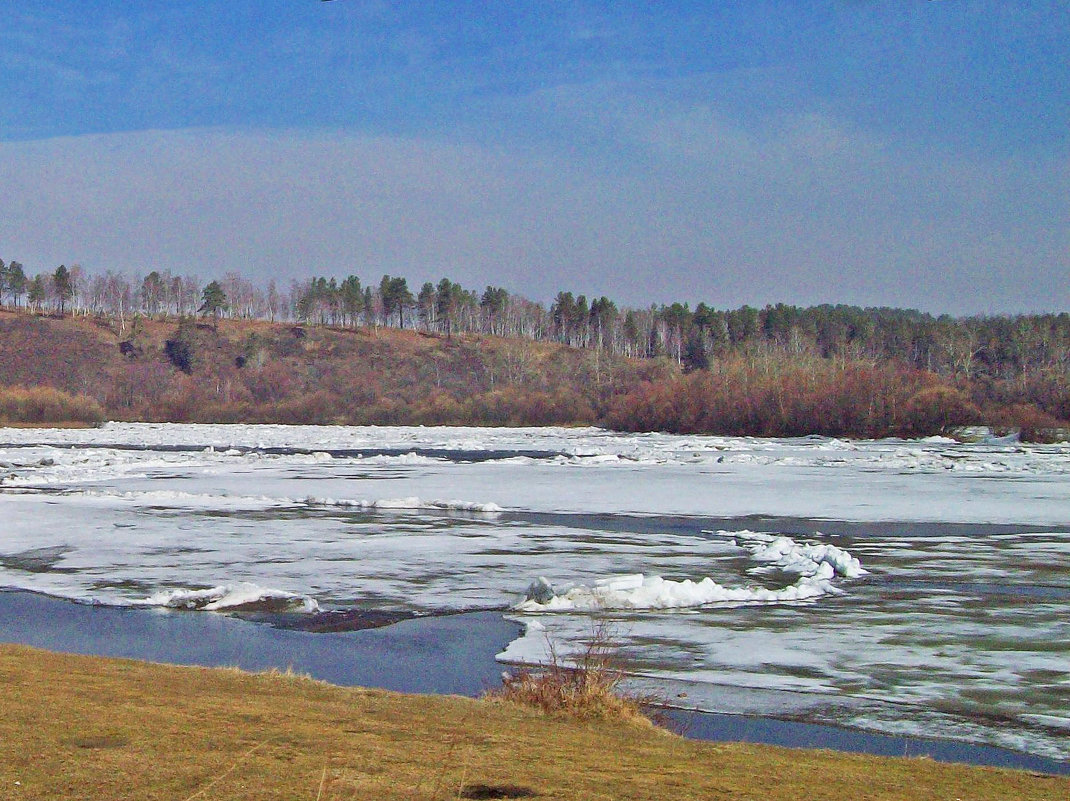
[908,153]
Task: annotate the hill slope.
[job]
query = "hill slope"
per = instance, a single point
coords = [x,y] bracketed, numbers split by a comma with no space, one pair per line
[260,372]
[252,371]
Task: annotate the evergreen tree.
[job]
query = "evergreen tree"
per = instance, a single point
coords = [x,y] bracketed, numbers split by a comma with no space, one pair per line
[214,301]
[16,281]
[448,298]
[562,313]
[494,302]
[395,295]
[62,287]
[351,297]
[603,315]
[425,304]
[37,291]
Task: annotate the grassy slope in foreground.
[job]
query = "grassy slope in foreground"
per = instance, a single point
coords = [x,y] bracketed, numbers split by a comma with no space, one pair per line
[83,727]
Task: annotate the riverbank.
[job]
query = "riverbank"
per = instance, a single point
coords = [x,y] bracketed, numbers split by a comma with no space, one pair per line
[89,727]
[255,371]
[441,655]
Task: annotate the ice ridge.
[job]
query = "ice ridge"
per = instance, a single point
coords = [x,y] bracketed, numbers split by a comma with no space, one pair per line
[817,566]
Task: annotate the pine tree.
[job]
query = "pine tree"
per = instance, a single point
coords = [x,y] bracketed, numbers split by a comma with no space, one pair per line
[215,301]
[16,281]
[62,287]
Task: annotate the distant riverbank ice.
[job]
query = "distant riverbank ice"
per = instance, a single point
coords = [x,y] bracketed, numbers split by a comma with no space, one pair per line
[1003,436]
[816,565]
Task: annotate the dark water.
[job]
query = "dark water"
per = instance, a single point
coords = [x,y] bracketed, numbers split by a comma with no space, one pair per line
[458,455]
[440,654]
[452,654]
[792,734]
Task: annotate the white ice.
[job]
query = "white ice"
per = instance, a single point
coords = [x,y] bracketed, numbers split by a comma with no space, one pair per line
[232,598]
[816,565]
[594,471]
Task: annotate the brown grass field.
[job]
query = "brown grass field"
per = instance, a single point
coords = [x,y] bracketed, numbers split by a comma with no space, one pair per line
[74,727]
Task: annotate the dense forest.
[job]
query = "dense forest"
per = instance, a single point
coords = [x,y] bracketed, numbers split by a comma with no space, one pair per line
[166,347]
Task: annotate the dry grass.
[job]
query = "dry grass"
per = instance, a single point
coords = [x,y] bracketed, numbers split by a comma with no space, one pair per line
[589,687]
[46,405]
[74,727]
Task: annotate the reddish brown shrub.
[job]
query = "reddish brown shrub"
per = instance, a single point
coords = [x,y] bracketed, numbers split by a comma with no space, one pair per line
[47,405]
[937,409]
[1032,424]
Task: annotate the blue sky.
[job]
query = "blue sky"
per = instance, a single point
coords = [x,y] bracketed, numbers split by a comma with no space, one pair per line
[908,153]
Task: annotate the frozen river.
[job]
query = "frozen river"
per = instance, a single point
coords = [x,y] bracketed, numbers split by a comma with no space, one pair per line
[918,587]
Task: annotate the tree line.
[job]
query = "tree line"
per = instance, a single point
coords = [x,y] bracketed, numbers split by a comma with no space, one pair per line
[778,370]
[968,348]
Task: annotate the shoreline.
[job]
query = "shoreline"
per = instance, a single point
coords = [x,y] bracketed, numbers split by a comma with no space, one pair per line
[450,654]
[91,727]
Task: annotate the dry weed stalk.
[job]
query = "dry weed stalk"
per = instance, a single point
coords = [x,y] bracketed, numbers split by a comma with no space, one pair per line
[587,687]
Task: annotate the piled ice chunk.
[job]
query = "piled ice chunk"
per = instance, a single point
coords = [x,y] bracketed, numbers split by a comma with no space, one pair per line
[816,565]
[784,553]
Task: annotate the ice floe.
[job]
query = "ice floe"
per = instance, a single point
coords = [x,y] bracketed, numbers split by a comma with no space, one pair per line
[817,566]
[241,597]
[591,447]
[968,544]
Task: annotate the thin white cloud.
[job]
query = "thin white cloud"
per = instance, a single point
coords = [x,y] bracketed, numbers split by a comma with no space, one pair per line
[817,212]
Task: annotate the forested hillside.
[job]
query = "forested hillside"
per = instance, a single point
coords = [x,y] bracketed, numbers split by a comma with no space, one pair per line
[252,371]
[162,347]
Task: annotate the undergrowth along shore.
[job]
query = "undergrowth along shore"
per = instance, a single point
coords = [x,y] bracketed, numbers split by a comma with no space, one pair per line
[76,727]
[583,688]
[86,370]
[47,405]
